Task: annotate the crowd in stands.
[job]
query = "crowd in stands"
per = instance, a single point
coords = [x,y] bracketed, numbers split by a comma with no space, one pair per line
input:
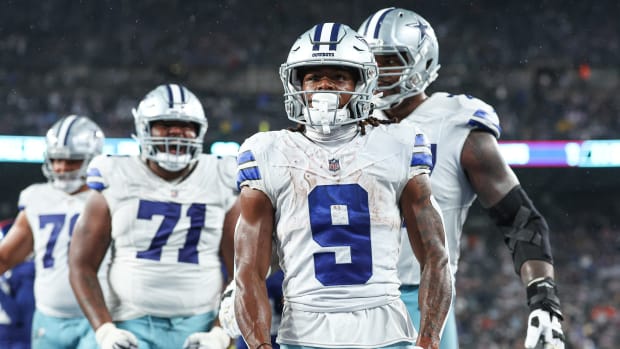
[551,71]
[549,68]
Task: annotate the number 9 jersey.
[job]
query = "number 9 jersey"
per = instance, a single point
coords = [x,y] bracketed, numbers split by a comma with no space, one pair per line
[337,222]
[166,235]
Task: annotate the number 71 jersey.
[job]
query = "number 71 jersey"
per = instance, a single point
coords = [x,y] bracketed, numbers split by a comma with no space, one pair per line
[337,211]
[166,235]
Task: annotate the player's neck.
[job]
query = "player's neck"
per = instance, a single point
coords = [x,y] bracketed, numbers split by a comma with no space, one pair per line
[170,176]
[405,107]
[337,136]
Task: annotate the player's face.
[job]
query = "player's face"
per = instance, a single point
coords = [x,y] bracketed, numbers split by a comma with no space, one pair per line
[173,128]
[65,165]
[330,78]
[389,61]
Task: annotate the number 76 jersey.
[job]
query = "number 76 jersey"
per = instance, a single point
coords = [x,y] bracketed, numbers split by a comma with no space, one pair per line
[337,211]
[166,235]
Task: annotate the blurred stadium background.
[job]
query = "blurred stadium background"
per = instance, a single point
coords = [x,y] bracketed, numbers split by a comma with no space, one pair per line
[550,68]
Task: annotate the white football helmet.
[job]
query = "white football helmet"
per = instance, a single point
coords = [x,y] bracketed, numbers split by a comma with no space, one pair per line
[71,138]
[170,102]
[328,44]
[395,31]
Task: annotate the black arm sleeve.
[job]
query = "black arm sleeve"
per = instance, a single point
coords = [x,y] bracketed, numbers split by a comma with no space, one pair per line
[525,230]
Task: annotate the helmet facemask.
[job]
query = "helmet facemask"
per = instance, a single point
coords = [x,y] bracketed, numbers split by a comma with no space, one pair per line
[329,44]
[409,37]
[170,103]
[71,138]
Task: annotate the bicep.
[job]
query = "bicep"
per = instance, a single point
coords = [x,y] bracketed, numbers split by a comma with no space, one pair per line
[92,233]
[253,236]
[17,244]
[422,217]
[227,243]
[487,171]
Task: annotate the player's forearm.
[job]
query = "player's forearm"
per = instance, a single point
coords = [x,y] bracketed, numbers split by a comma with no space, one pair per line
[253,313]
[435,296]
[536,269]
[89,294]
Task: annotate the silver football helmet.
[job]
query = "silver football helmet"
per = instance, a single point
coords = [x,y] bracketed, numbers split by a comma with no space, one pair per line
[404,33]
[170,102]
[71,138]
[328,44]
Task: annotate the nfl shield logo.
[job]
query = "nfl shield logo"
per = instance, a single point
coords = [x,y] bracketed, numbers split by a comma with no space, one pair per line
[334,165]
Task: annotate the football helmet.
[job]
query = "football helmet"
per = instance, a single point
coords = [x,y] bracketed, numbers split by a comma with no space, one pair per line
[73,137]
[328,44]
[170,102]
[404,33]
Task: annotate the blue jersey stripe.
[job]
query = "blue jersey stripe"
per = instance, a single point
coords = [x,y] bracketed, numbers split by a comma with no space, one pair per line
[420,140]
[244,157]
[98,186]
[422,159]
[93,172]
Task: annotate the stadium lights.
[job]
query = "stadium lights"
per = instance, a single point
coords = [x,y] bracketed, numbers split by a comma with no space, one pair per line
[592,153]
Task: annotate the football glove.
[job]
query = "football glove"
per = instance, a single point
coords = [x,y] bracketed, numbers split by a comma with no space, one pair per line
[227,312]
[214,339]
[543,324]
[109,336]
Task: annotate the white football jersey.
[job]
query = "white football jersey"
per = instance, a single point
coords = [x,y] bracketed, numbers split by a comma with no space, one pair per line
[166,235]
[338,230]
[52,214]
[447,120]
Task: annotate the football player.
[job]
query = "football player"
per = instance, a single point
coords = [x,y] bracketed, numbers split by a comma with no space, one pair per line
[168,215]
[463,133]
[333,190]
[48,212]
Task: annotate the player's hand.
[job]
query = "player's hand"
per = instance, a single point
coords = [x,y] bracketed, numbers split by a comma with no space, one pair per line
[543,327]
[227,312]
[214,339]
[109,336]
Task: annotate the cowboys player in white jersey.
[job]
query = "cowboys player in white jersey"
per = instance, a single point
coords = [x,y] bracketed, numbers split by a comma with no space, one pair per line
[333,191]
[168,215]
[44,225]
[463,133]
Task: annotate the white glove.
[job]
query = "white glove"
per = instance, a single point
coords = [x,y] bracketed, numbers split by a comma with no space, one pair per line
[542,326]
[214,339]
[227,312]
[109,336]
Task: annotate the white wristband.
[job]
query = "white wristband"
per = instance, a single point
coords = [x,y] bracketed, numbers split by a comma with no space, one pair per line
[103,331]
[220,336]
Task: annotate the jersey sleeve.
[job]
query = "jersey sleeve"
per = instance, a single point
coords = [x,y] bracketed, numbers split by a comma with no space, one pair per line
[421,156]
[96,178]
[26,196]
[251,164]
[481,115]
[227,171]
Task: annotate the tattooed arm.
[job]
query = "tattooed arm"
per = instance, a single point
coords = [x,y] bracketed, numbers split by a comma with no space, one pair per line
[427,238]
